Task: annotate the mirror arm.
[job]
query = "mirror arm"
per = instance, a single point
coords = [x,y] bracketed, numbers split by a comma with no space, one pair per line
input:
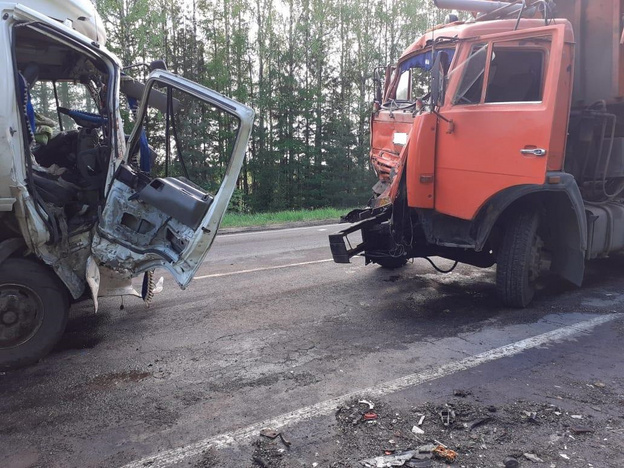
[451,124]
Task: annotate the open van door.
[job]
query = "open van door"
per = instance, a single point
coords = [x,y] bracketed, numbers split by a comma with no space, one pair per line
[159,216]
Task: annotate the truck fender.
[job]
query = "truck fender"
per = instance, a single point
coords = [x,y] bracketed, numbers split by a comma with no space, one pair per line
[566,218]
[9,246]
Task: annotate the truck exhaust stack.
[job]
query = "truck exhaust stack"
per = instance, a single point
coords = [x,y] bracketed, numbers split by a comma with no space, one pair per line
[477,6]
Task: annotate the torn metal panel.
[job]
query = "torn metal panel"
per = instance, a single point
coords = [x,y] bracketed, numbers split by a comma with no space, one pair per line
[106,282]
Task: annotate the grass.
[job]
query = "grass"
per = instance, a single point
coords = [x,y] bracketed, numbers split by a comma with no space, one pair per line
[261,219]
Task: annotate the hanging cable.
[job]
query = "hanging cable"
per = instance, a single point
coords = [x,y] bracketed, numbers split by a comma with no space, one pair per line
[438,269]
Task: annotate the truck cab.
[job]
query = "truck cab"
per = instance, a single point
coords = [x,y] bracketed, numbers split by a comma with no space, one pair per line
[496,141]
[86,204]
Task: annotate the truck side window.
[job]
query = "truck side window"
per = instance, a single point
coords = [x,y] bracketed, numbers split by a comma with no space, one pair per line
[471,86]
[403,88]
[515,75]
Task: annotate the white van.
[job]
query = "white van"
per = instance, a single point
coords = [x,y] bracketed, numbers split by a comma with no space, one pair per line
[84,205]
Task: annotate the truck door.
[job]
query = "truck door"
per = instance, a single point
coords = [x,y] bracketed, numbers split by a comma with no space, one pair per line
[166,214]
[509,105]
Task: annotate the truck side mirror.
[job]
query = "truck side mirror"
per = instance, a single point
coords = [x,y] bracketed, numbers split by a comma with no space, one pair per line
[438,78]
[157,65]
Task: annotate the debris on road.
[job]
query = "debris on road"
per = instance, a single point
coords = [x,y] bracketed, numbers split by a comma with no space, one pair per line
[445,453]
[532,457]
[461,393]
[398,459]
[273,434]
[270,433]
[370,416]
[463,432]
[366,402]
[447,415]
[581,429]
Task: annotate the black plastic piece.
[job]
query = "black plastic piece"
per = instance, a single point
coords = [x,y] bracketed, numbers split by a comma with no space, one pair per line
[338,242]
[132,179]
[177,198]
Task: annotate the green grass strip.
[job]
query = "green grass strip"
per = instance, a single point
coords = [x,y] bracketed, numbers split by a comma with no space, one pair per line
[261,219]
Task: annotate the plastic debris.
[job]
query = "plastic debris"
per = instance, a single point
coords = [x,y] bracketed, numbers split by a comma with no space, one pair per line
[370,416]
[397,459]
[445,453]
[563,455]
[417,430]
[599,385]
[447,415]
[581,429]
[576,416]
[420,421]
[532,457]
[370,404]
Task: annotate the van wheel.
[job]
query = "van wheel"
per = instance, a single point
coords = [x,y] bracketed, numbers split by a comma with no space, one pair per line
[34,306]
[519,260]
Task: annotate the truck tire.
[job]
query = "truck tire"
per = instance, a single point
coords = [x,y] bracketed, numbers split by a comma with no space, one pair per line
[518,260]
[34,306]
[391,263]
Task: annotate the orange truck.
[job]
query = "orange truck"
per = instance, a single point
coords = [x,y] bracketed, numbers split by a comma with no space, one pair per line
[500,140]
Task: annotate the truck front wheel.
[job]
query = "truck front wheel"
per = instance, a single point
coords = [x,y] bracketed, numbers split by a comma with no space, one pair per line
[391,263]
[519,260]
[33,312]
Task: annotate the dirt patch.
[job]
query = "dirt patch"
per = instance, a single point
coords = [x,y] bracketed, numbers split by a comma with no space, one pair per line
[115,379]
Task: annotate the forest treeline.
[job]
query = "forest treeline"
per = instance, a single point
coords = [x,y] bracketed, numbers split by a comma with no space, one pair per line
[305,66]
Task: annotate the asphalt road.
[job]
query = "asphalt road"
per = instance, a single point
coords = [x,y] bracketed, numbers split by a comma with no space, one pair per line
[272,331]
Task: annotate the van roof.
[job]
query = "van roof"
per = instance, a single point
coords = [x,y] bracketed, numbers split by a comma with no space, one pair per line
[79,15]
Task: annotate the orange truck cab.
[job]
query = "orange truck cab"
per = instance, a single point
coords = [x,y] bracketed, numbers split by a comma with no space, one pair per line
[499,140]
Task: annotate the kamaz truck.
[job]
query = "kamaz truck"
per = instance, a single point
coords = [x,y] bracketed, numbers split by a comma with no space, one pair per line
[86,205]
[499,140]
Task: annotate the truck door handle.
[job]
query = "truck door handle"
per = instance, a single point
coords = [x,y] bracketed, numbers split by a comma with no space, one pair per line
[533,151]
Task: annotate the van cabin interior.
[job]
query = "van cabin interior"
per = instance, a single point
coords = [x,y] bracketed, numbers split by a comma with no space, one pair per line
[62,92]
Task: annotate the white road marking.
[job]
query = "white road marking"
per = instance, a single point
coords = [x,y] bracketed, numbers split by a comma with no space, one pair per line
[276,231]
[253,270]
[327,407]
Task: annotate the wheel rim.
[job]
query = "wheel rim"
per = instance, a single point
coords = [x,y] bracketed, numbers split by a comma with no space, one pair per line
[21,314]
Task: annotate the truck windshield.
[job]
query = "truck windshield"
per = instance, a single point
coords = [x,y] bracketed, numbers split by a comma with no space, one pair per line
[412,78]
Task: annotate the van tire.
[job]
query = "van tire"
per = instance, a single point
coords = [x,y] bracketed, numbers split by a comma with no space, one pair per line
[34,306]
[518,259]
